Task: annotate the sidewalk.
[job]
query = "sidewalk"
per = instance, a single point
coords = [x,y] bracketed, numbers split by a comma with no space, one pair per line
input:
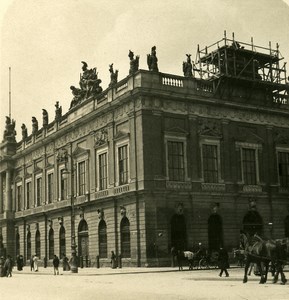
[108,271]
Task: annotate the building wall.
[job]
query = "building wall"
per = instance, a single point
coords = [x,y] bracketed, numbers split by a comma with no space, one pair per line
[146,117]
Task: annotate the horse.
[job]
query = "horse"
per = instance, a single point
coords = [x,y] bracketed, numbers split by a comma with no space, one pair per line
[263,252]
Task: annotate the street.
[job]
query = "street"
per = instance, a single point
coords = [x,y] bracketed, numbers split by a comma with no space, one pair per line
[138,283]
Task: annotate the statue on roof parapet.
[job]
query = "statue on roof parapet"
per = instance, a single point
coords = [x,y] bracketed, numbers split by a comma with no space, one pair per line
[44,118]
[188,67]
[113,75]
[34,125]
[9,132]
[58,111]
[89,85]
[78,96]
[134,62]
[152,60]
[24,132]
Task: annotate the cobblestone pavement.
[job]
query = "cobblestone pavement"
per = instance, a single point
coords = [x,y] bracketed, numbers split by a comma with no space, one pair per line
[138,283]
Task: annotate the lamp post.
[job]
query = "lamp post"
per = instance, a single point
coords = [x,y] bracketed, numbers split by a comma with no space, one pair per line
[63,157]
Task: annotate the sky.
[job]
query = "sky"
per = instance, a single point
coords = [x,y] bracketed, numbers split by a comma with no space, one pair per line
[44,42]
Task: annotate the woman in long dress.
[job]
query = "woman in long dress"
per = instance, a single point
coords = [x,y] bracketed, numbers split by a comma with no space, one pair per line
[35,260]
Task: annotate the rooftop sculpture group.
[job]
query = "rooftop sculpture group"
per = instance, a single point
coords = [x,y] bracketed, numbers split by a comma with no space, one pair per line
[89,85]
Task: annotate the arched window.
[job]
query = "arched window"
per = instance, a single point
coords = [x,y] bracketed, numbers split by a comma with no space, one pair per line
[62,243]
[82,226]
[28,246]
[215,232]
[37,243]
[51,243]
[286,226]
[125,237]
[102,239]
[17,244]
[253,223]
[178,232]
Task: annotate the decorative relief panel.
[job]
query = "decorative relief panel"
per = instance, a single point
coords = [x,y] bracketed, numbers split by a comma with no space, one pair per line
[281,137]
[210,127]
[100,137]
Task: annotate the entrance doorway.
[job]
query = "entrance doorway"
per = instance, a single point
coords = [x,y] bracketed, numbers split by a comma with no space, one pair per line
[215,232]
[178,232]
[83,244]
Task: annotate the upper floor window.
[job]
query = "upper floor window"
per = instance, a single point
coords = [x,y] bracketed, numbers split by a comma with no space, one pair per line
[249,163]
[81,178]
[28,194]
[19,196]
[50,188]
[176,160]
[38,191]
[210,163]
[123,164]
[283,168]
[102,172]
[249,166]
[63,185]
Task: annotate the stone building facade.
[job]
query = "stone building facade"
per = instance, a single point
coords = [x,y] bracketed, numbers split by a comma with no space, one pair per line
[154,161]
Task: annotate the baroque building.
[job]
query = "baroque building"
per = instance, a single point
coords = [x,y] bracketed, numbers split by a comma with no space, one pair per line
[155,161]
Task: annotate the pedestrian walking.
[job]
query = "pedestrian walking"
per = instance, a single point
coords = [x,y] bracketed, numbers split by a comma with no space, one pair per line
[35,262]
[8,266]
[19,262]
[174,254]
[65,263]
[31,263]
[55,264]
[113,260]
[223,261]
[180,260]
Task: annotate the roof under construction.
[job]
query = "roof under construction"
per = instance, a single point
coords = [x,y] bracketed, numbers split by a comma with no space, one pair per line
[234,62]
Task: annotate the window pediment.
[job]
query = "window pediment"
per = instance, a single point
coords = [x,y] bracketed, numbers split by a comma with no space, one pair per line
[121,135]
[80,151]
[176,131]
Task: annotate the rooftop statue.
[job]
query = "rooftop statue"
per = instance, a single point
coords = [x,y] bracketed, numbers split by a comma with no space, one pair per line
[113,75]
[58,112]
[152,60]
[9,132]
[34,125]
[134,62]
[45,118]
[78,95]
[188,67]
[89,82]
[24,132]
